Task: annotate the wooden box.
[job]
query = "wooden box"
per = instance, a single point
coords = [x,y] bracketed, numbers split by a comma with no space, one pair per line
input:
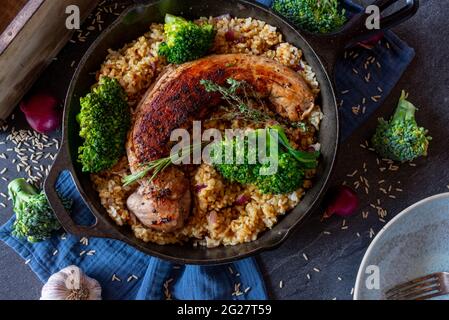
[31,34]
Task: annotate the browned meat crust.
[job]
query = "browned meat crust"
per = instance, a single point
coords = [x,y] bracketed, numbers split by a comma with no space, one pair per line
[177,98]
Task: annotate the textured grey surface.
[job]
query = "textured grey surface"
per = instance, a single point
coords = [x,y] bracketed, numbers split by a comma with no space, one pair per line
[337,254]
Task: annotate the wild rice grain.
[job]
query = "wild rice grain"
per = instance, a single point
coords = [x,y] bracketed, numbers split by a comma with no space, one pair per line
[115,278]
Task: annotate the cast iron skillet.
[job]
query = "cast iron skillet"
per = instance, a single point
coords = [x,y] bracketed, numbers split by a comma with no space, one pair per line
[134,22]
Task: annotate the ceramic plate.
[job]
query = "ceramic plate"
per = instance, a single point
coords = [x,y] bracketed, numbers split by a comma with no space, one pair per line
[412,244]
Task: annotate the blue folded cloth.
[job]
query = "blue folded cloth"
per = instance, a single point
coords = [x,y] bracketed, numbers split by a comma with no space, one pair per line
[125,273]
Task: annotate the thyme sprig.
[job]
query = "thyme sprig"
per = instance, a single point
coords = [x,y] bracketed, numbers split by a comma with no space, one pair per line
[239,107]
[159,165]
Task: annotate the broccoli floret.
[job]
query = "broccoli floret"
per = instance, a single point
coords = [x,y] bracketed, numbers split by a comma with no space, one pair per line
[35,220]
[104,121]
[288,178]
[400,138]
[308,160]
[244,173]
[185,40]
[321,16]
[290,171]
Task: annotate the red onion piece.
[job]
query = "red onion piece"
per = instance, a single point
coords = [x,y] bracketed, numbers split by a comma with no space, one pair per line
[242,199]
[200,187]
[41,112]
[372,41]
[342,201]
[230,35]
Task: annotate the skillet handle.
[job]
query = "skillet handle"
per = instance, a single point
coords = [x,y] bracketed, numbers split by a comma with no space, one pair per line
[333,44]
[356,30]
[99,229]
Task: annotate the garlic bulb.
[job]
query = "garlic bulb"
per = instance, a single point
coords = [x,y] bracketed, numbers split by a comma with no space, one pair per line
[71,284]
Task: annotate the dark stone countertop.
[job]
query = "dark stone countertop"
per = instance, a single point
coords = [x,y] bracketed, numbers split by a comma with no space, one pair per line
[339,253]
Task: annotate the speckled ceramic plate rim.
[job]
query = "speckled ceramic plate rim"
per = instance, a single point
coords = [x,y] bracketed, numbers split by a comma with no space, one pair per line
[360,273]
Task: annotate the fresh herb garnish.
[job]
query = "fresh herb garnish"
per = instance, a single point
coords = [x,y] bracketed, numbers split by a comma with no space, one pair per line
[159,165]
[239,107]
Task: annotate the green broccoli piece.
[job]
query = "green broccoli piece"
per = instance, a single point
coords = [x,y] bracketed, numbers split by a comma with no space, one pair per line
[309,160]
[318,16]
[35,220]
[288,177]
[244,173]
[400,138]
[185,40]
[104,121]
[291,164]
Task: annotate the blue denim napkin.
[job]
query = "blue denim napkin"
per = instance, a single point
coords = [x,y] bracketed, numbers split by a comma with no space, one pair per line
[125,273]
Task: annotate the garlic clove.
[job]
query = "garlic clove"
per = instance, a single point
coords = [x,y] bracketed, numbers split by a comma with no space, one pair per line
[71,283]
